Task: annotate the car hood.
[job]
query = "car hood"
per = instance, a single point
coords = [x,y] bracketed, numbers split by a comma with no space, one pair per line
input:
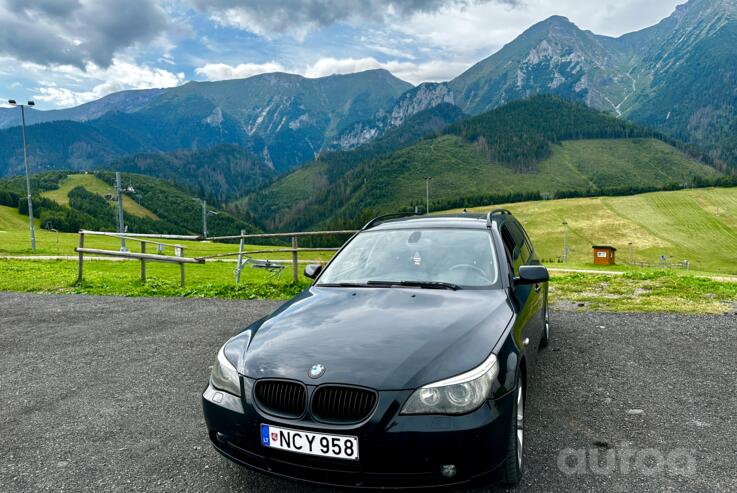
[382,338]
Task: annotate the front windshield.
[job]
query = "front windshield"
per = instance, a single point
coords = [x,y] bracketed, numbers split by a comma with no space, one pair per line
[463,257]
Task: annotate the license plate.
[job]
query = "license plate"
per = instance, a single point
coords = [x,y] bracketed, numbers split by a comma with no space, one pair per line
[307,442]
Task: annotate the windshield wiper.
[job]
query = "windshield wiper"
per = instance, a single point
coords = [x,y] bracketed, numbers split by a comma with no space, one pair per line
[342,285]
[417,284]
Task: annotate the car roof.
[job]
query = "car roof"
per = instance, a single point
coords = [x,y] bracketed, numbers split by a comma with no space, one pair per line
[466,220]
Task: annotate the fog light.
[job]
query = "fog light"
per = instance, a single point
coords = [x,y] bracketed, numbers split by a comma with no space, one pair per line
[448,470]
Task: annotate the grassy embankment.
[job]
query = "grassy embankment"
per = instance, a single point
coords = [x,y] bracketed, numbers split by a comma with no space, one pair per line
[699,225]
[123,278]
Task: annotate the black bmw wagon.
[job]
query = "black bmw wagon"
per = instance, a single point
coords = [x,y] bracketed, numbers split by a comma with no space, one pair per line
[405,364]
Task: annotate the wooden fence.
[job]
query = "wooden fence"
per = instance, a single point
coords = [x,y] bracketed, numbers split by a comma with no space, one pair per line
[143,256]
[179,250]
[294,250]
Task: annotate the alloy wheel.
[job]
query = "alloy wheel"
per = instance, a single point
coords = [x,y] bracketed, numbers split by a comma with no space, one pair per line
[547,322]
[520,422]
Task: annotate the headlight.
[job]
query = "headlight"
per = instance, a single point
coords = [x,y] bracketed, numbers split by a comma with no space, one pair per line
[457,395]
[224,374]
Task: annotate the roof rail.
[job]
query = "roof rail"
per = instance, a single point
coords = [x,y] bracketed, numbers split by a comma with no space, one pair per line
[383,218]
[495,212]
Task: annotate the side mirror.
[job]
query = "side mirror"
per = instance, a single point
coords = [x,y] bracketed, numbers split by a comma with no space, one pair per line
[312,270]
[532,274]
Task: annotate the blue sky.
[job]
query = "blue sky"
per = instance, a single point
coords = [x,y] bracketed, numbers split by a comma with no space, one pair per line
[65,52]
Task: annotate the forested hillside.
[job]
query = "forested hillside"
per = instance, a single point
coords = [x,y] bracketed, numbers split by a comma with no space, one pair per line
[523,132]
[222,173]
[543,147]
[69,202]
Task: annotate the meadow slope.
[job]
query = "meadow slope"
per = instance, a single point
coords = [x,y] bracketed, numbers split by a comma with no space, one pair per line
[95,185]
[698,225]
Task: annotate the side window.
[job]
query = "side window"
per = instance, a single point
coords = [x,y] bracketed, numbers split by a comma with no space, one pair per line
[520,239]
[517,245]
[509,244]
[533,259]
[514,245]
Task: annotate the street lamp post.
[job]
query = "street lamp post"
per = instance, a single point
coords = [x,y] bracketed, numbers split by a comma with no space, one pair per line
[427,194]
[25,164]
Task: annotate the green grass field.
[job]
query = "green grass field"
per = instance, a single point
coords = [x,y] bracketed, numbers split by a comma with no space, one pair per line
[698,225]
[122,278]
[215,279]
[643,291]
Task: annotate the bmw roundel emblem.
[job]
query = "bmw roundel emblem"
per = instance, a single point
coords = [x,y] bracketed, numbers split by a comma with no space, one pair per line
[316,371]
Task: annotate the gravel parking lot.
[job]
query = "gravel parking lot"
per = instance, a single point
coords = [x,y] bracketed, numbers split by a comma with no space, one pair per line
[103,394]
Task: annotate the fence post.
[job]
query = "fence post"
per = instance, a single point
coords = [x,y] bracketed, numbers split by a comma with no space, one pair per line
[80,271]
[240,257]
[143,263]
[181,274]
[295,259]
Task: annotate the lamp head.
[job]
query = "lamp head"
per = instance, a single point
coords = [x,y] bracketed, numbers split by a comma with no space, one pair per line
[11,102]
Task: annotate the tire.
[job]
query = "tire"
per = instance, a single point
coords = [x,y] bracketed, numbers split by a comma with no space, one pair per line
[514,464]
[546,327]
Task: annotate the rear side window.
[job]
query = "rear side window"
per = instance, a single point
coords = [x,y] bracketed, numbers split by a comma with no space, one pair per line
[516,244]
[509,244]
[524,242]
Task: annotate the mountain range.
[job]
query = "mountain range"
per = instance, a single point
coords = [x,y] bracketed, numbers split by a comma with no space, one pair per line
[679,76]
[282,119]
[228,138]
[532,149]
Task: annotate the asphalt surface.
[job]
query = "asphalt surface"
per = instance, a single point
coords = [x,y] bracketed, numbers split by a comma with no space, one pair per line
[103,394]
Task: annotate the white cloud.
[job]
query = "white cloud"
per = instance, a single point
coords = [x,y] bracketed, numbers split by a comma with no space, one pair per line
[222,71]
[431,71]
[298,18]
[329,66]
[73,32]
[119,76]
[483,28]
[388,50]
[436,70]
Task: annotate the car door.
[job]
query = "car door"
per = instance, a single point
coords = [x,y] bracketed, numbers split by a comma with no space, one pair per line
[540,290]
[526,297]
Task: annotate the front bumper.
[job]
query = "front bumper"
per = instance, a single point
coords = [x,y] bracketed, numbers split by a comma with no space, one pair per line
[396,451]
